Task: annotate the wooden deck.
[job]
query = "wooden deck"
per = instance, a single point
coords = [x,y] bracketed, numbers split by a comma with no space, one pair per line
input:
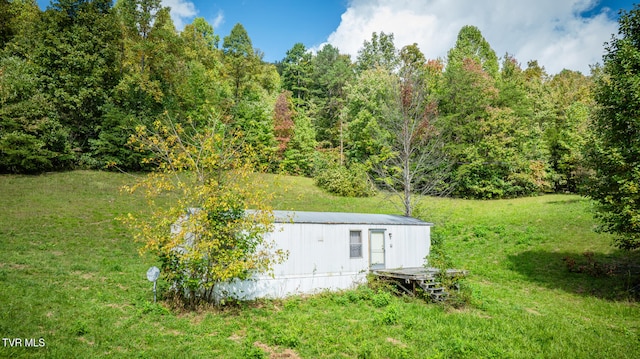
[410,279]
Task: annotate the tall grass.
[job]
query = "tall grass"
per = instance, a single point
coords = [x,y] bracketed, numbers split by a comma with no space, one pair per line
[70,274]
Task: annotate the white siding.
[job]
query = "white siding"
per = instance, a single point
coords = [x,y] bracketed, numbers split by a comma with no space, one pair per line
[319,258]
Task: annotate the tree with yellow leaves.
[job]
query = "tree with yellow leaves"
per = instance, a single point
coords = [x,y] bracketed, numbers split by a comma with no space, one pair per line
[198,197]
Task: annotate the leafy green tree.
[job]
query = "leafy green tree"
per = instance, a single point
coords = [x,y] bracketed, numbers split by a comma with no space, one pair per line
[332,71]
[111,148]
[139,90]
[379,52]
[200,38]
[615,149]
[470,44]
[532,173]
[364,137]
[21,27]
[200,83]
[31,138]
[77,57]
[536,80]
[300,152]
[6,32]
[166,55]
[241,62]
[512,91]
[567,128]
[137,18]
[469,90]
[491,134]
[296,73]
[155,76]
[468,96]
[254,121]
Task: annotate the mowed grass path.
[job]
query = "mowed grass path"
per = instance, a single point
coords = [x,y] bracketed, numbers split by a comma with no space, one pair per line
[70,274]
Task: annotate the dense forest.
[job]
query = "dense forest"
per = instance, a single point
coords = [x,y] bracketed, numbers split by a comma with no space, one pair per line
[77,78]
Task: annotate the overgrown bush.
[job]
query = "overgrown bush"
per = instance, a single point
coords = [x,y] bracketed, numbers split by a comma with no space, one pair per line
[209,173]
[389,316]
[381,299]
[32,139]
[346,182]
[456,286]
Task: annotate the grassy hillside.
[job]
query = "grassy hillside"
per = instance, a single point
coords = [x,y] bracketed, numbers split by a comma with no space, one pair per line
[70,275]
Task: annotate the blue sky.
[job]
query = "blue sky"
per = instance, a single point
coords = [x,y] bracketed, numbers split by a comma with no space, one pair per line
[275,26]
[558,33]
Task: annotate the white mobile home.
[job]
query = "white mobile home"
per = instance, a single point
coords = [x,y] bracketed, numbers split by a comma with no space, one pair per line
[333,251]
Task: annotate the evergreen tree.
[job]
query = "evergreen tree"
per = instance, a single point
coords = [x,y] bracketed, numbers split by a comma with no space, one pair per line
[470,44]
[296,73]
[332,71]
[241,62]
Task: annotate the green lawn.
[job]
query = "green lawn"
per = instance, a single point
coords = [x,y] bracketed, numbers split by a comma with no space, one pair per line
[70,274]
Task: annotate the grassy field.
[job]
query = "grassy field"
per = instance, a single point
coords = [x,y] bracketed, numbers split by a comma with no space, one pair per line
[70,274]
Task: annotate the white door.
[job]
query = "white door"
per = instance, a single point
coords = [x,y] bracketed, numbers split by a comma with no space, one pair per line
[376,248]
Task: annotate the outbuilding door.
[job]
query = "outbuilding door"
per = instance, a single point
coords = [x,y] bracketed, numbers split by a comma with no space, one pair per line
[376,249]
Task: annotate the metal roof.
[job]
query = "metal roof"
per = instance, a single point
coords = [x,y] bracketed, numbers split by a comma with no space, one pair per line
[345,218]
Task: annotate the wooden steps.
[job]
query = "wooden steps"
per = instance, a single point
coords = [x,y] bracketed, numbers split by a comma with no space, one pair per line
[410,279]
[434,289]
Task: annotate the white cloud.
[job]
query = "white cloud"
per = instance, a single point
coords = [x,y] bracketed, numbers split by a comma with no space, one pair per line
[550,31]
[219,20]
[181,11]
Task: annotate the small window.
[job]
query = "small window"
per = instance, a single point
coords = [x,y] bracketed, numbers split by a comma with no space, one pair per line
[355,244]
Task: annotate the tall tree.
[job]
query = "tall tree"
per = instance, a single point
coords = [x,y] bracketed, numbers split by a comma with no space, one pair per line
[364,137]
[6,32]
[416,162]
[296,72]
[138,18]
[470,44]
[332,71]
[566,129]
[140,90]
[469,89]
[20,24]
[78,59]
[379,52]
[487,130]
[31,138]
[299,155]
[615,151]
[150,74]
[240,59]
[530,170]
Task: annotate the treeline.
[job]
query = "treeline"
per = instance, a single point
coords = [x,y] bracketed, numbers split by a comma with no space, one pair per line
[77,78]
